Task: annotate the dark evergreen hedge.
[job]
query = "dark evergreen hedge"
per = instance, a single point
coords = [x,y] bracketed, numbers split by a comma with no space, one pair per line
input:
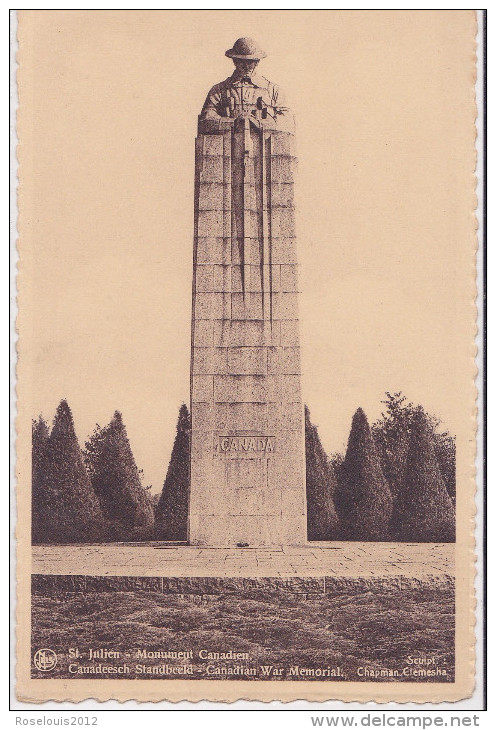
[397,481]
[322,519]
[425,512]
[171,513]
[67,508]
[363,498]
[126,505]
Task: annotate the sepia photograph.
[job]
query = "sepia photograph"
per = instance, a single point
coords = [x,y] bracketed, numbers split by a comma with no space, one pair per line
[246,359]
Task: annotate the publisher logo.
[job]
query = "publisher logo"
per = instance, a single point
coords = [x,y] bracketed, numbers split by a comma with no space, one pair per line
[45,660]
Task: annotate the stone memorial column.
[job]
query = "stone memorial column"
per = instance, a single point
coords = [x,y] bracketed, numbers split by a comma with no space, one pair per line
[247,438]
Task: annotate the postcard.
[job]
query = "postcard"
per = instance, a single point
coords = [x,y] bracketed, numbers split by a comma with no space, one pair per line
[246,357]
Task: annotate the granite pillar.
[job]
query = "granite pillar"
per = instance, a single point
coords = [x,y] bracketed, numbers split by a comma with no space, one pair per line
[247,440]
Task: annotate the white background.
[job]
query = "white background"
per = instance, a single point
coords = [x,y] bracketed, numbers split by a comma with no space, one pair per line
[241,714]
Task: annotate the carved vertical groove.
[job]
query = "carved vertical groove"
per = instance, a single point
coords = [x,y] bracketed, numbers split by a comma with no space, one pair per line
[247,232]
[269,217]
[264,259]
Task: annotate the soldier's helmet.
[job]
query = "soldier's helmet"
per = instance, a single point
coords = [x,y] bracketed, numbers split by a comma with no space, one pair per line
[247,49]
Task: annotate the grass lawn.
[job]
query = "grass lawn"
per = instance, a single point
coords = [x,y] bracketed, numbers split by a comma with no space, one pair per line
[359,633]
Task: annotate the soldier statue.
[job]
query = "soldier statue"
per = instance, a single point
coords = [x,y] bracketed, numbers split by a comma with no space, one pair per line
[247,460]
[245,95]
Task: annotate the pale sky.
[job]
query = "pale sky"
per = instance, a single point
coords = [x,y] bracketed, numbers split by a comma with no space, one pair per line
[383,105]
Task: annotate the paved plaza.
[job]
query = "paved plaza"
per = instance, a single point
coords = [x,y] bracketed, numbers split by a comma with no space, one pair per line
[347,559]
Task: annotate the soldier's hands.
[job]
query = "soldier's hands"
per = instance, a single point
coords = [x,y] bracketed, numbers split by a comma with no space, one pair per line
[225,122]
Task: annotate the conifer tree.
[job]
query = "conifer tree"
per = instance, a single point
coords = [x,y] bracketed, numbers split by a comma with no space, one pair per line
[322,520]
[425,512]
[445,449]
[126,505]
[39,443]
[363,499]
[391,435]
[67,509]
[172,510]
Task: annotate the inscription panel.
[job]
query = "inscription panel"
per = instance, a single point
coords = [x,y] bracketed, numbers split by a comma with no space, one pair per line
[246,446]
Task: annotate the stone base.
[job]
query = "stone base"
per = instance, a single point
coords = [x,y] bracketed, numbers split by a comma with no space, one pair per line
[243,531]
[343,560]
[306,587]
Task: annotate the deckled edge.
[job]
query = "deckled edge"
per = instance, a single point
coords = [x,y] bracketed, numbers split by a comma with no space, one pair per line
[227,697]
